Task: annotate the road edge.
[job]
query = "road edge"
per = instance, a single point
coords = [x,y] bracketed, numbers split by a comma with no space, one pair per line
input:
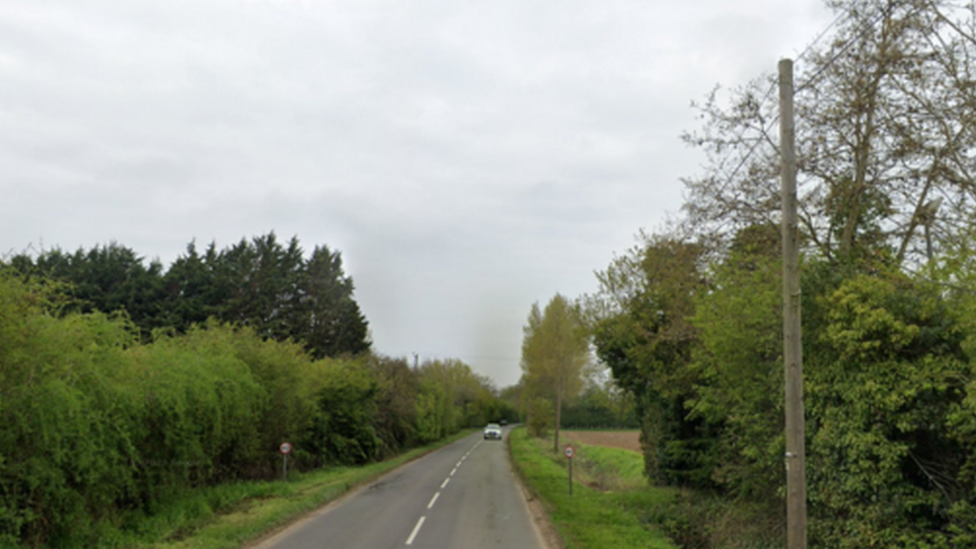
[273,536]
[548,535]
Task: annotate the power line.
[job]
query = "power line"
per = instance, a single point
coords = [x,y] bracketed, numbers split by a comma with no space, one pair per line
[741,134]
[868,26]
[751,151]
[765,98]
[809,48]
[837,20]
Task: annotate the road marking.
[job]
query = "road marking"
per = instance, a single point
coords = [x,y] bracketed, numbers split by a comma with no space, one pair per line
[433,500]
[415,530]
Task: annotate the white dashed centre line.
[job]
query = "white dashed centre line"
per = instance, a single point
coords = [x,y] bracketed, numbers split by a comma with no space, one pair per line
[433,500]
[415,530]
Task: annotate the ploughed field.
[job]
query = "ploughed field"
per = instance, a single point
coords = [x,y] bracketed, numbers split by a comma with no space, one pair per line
[628,440]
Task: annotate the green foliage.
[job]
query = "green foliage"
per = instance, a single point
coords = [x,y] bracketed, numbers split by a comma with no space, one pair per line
[739,389]
[887,374]
[101,429]
[463,398]
[604,407]
[331,323]
[540,415]
[202,409]
[65,449]
[887,380]
[690,325]
[287,398]
[341,430]
[109,279]
[260,284]
[430,402]
[395,420]
[555,351]
[700,520]
[642,332]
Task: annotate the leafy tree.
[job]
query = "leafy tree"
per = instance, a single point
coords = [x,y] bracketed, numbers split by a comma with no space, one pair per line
[511,401]
[555,349]
[691,324]
[273,289]
[396,398]
[286,402]
[885,137]
[738,365]
[263,278]
[342,430]
[108,278]
[258,283]
[331,323]
[462,398]
[642,331]
[540,414]
[193,291]
[887,371]
[431,403]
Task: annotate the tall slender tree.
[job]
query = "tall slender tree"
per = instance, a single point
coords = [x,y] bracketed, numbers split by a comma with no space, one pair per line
[555,350]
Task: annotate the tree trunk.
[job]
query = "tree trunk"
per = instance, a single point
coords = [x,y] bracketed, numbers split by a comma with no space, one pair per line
[559,413]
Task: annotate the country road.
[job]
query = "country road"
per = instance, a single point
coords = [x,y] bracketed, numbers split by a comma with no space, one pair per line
[463,495]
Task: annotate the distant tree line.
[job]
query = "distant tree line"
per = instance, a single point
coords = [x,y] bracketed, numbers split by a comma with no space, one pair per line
[261,283]
[101,417]
[600,406]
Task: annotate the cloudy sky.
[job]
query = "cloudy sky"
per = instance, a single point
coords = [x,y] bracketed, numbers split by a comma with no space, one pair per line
[467,157]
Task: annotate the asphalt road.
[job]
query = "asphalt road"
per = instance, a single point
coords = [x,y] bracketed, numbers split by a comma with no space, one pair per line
[463,495]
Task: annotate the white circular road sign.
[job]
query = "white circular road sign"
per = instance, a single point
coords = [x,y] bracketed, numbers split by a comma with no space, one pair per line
[569,452]
[285,448]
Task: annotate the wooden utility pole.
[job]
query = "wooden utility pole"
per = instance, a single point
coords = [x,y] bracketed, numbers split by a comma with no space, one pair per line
[796,490]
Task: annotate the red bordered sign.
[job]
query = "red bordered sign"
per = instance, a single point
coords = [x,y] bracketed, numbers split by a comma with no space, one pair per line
[569,452]
[285,448]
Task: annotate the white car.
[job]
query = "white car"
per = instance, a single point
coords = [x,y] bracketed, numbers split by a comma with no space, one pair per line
[493,430]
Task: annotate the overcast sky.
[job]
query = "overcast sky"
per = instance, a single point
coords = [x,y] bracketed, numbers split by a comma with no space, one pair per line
[467,157]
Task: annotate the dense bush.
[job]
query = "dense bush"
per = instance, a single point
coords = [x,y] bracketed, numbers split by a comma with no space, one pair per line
[888,396]
[97,424]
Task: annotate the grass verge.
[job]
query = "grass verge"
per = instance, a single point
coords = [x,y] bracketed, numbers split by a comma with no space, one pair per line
[611,499]
[231,515]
